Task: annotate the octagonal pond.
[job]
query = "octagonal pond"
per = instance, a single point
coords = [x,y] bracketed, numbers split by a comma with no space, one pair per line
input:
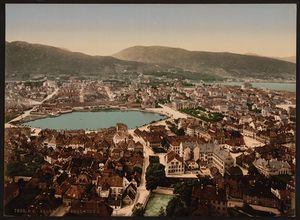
[96,120]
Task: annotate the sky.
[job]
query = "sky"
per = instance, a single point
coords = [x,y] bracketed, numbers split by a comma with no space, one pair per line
[263,29]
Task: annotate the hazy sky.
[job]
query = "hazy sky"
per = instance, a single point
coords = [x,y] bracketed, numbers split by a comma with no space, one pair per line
[268,30]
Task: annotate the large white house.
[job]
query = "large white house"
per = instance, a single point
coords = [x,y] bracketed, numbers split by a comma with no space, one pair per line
[222,159]
[174,164]
[204,152]
[186,153]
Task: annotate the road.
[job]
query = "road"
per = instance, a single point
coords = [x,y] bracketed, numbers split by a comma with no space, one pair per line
[169,112]
[60,211]
[109,93]
[81,95]
[142,192]
[27,113]
[252,143]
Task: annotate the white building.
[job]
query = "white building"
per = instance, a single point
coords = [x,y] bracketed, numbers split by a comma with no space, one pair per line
[174,164]
[222,159]
[204,152]
[272,167]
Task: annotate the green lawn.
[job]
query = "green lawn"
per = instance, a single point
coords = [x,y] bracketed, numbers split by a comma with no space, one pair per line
[155,202]
[203,114]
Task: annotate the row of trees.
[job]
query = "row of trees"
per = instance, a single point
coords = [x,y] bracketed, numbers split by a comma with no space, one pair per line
[203,114]
[155,174]
[27,167]
[180,204]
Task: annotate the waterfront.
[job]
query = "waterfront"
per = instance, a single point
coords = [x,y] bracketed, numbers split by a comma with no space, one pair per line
[96,120]
[290,87]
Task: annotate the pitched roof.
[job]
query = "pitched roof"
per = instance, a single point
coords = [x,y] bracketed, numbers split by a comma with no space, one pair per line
[210,193]
[92,207]
[172,155]
[235,171]
[112,181]
[207,147]
[272,164]
[222,153]
[74,192]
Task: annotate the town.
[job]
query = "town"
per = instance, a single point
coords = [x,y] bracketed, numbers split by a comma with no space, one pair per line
[221,150]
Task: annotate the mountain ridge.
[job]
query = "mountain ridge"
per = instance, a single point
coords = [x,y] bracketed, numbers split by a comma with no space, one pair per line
[26,60]
[225,64]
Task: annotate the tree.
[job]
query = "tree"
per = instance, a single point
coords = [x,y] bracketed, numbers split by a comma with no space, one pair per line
[161,212]
[181,132]
[164,143]
[184,190]
[153,159]
[21,183]
[204,180]
[236,134]
[137,169]
[155,175]
[252,170]
[138,210]
[175,207]
[16,168]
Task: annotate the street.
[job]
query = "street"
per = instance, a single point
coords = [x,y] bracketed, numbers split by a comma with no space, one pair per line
[60,211]
[27,113]
[142,192]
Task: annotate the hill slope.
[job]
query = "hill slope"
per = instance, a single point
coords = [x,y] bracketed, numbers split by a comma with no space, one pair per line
[291,59]
[25,60]
[228,65]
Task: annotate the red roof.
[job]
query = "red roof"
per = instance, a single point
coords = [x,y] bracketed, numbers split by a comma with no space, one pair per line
[210,193]
[172,155]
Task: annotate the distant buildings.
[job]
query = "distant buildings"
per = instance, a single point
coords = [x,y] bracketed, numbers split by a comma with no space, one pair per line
[94,172]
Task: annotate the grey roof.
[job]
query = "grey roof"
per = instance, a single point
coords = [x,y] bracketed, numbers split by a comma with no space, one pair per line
[223,154]
[207,148]
[272,164]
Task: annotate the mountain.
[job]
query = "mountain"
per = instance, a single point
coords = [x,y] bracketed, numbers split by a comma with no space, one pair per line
[28,61]
[291,59]
[223,64]
[253,54]
[25,61]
